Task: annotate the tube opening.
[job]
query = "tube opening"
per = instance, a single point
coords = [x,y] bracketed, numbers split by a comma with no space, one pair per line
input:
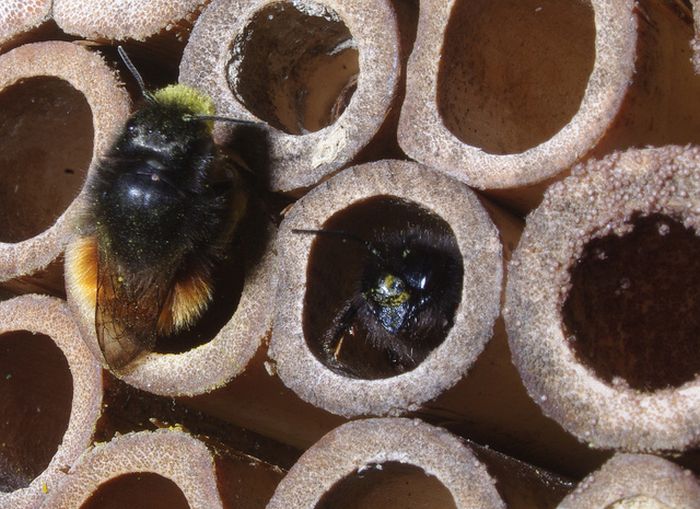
[513,72]
[295,65]
[36,393]
[387,485]
[632,314]
[376,313]
[138,490]
[46,140]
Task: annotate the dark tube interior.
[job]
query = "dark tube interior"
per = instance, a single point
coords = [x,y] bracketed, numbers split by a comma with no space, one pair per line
[388,485]
[633,311]
[46,139]
[334,273]
[139,490]
[513,72]
[36,392]
[294,66]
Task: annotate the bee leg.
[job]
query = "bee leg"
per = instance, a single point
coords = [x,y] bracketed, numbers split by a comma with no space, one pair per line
[332,340]
[336,353]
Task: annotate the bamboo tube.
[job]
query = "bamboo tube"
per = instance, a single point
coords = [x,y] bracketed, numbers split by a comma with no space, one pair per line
[224,339]
[635,481]
[325,108]
[507,95]
[166,468]
[18,17]
[51,397]
[602,298]
[60,92]
[124,19]
[362,200]
[406,463]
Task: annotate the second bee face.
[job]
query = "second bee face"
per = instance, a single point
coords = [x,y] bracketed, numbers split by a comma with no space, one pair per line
[377,315]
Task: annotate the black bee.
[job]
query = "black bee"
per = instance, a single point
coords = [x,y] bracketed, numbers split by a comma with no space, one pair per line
[162,208]
[404,302]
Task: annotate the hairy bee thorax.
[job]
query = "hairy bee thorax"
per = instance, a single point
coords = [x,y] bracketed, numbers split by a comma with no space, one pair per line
[161,190]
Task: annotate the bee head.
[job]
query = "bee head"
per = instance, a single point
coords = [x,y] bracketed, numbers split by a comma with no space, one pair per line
[398,285]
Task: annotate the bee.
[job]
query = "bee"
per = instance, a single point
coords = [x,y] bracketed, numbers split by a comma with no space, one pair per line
[162,207]
[403,303]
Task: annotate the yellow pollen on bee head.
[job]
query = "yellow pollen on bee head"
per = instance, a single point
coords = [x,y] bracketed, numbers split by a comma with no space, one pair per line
[386,295]
[193,101]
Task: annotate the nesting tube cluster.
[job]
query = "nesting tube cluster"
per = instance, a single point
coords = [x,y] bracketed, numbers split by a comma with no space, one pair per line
[319,277]
[51,397]
[602,301]
[71,107]
[508,95]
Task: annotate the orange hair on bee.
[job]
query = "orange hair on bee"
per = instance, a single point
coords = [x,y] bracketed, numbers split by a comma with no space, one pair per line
[81,272]
[186,300]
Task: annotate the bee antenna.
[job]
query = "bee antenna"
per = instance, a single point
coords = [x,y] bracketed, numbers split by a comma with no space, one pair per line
[344,235]
[135,73]
[221,119]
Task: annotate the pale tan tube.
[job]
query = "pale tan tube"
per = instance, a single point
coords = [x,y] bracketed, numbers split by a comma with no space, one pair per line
[19,16]
[507,95]
[51,397]
[124,19]
[393,195]
[396,463]
[226,337]
[602,301]
[323,74]
[171,455]
[636,481]
[62,106]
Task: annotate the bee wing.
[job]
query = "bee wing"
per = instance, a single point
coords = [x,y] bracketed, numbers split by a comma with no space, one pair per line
[126,318]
